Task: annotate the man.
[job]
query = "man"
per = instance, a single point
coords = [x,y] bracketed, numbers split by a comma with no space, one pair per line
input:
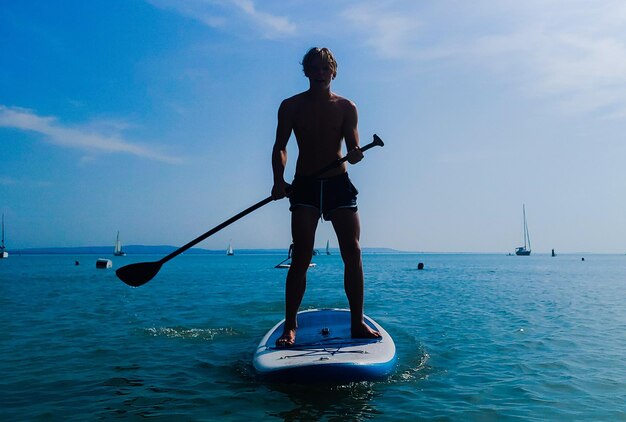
[320,120]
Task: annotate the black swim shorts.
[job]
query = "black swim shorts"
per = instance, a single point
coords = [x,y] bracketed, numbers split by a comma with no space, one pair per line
[325,195]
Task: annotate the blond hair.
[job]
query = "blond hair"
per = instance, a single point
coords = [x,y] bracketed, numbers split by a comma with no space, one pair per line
[325,54]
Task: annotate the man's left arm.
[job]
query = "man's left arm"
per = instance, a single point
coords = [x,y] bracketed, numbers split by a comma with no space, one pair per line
[351,133]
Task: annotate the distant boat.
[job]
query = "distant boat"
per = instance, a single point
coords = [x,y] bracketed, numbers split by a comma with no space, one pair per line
[524,250]
[230,250]
[118,247]
[3,252]
[553,254]
[328,247]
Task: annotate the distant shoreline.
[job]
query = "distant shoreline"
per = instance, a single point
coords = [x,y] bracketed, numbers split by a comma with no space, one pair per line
[166,249]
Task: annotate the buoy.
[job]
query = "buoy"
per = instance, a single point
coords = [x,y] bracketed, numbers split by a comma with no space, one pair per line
[420,266]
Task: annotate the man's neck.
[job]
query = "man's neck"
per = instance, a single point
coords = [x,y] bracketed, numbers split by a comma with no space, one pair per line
[320,94]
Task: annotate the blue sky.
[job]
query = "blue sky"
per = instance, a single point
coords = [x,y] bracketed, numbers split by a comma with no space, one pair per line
[156,118]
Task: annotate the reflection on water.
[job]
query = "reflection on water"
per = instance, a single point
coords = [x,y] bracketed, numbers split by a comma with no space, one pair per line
[317,402]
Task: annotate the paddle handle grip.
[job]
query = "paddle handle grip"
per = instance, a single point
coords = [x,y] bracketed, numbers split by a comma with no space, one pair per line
[376,142]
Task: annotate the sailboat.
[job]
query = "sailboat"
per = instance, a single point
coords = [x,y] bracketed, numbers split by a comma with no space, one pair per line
[230,250]
[328,247]
[3,252]
[524,250]
[118,247]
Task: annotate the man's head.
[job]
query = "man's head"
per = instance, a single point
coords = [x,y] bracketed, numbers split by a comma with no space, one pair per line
[324,55]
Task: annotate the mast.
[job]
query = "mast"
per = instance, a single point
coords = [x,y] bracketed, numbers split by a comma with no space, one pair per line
[524,213]
[2,244]
[527,235]
[3,252]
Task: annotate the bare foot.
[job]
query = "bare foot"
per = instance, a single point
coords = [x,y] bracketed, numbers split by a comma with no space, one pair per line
[288,338]
[364,331]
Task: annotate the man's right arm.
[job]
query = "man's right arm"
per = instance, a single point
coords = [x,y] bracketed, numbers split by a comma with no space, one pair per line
[279,152]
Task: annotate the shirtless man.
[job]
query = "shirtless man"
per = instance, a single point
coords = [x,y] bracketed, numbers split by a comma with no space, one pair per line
[320,120]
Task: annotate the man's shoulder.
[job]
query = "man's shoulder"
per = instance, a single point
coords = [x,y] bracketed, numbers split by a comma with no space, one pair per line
[344,102]
[292,103]
[295,98]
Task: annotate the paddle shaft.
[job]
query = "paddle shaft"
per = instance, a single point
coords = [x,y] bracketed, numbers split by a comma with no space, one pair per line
[282,262]
[376,142]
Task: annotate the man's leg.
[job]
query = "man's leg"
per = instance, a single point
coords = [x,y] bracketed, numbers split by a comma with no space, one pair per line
[303,225]
[348,229]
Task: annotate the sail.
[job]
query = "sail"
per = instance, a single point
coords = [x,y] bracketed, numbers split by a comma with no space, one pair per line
[230,250]
[524,250]
[2,244]
[526,234]
[328,247]
[118,246]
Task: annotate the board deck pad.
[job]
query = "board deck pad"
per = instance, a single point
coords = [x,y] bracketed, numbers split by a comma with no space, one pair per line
[325,351]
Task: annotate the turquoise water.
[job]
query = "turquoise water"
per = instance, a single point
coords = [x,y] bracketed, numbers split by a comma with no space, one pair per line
[479,337]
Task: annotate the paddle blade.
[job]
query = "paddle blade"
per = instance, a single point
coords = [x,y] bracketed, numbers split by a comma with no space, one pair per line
[138,274]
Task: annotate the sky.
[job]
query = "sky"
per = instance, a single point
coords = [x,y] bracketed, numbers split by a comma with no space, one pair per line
[156,118]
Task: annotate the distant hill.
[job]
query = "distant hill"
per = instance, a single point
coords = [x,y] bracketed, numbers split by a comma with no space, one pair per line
[167,249]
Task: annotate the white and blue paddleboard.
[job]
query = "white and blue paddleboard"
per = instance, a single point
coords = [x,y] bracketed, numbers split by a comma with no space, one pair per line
[325,352]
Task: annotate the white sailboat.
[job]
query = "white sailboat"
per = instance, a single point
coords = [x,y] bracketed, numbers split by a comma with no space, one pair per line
[524,250]
[230,250]
[118,247]
[3,252]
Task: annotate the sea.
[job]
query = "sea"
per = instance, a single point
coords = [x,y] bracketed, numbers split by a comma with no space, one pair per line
[479,337]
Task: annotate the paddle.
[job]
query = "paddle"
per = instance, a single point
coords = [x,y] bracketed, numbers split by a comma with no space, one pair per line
[282,262]
[140,273]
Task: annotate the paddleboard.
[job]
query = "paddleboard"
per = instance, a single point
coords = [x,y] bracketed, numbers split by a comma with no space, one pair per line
[325,352]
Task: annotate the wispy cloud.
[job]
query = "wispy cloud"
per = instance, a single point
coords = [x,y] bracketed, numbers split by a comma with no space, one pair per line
[272,25]
[7,181]
[88,140]
[571,51]
[391,33]
[10,181]
[206,11]
[585,72]
[231,14]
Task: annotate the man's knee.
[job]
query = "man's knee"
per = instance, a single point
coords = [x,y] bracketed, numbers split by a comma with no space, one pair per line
[351,251]
[302,251]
